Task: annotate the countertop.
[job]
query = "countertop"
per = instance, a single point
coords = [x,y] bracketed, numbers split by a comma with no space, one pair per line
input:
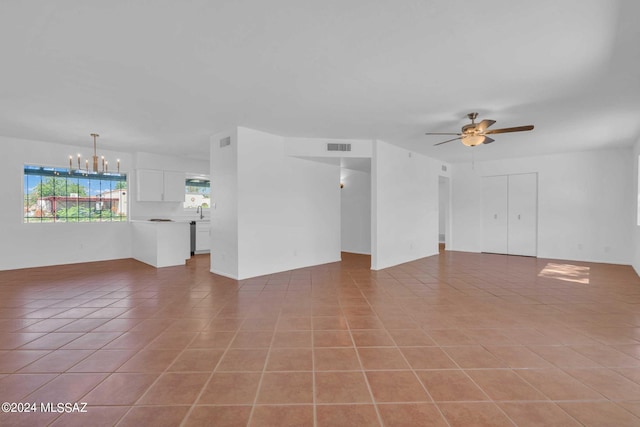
[170,221]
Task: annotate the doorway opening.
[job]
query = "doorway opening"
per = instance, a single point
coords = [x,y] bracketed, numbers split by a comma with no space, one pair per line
[443,213]
[355,205]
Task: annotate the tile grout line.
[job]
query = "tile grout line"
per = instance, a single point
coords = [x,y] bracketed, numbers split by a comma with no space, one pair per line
[159,376]
[78,362]
[414,371]
[313,373]
[59,374]
[208,380]
[264,369]
[163,372]
[213,371]
[362,368]
[415,374]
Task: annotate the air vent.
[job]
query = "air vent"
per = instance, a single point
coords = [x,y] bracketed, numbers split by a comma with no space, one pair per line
[225,142]
[338,147]
[444,168]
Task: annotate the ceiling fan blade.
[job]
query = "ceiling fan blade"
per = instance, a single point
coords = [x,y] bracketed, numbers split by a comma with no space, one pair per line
[483,125]
[506,130]
[488,140]
[448,140]
[442,133]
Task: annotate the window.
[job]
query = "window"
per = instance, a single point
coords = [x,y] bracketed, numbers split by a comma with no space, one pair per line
[60,195]
[197,193]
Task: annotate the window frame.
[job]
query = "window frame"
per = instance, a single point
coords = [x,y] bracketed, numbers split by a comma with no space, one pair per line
[196,181]
[92,198]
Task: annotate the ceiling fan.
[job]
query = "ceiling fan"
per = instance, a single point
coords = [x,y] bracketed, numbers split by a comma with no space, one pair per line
[476,133]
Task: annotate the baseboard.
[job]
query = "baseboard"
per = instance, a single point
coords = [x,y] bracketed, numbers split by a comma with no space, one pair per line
[357,253]
[219,273]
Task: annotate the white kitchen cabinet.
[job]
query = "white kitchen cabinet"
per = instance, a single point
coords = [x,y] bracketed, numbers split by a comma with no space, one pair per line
[509,214]
[159,186]
[149,185]
[203,236]
[174,186]
[161,244]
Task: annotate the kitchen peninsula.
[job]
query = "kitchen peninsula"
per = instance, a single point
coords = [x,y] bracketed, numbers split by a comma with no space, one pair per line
[161,243]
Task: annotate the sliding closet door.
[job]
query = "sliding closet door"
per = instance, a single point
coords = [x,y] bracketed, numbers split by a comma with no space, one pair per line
[523,208]
[494,214]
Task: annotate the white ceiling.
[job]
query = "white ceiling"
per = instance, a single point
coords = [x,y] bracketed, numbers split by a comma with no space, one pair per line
[162,76]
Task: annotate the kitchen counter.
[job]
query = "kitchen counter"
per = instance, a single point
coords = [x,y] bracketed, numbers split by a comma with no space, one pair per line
[161,243]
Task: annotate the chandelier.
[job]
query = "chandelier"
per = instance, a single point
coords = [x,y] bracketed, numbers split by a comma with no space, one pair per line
[95,163]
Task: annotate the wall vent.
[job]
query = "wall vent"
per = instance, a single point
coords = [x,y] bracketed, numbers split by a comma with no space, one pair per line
[338,147]
[225,142]
[444,168]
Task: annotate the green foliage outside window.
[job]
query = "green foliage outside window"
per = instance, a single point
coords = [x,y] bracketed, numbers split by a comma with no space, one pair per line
[61,195]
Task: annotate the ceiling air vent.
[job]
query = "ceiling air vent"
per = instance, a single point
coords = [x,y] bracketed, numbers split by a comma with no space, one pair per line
[225,142]
[338,147]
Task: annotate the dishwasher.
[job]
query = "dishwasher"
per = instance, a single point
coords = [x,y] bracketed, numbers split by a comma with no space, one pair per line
[192,230]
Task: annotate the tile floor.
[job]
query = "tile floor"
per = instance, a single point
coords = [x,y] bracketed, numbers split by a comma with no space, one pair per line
[457,339]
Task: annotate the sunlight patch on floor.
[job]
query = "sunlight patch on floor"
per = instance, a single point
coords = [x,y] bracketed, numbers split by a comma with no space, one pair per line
[566,272]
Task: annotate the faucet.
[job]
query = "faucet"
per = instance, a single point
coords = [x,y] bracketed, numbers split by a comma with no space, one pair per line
[200,211]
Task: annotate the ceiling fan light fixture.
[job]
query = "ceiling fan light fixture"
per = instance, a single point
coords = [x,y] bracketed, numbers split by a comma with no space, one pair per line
[473,140]
[473,134]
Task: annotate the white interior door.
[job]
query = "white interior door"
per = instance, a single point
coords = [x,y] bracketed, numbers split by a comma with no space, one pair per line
[523,208]
[494,214]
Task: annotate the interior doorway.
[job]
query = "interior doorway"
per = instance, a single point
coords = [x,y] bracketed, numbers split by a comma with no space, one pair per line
[443,212]
[355,205]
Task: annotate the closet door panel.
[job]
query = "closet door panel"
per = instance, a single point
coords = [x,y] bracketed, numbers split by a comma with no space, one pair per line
[523,218]
[494,214]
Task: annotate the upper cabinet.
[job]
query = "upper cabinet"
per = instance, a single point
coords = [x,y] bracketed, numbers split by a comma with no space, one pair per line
[149,185]
[159,186]
[173,186]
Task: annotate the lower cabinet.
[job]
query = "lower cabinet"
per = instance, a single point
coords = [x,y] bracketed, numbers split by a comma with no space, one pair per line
[160,244]
[203,237]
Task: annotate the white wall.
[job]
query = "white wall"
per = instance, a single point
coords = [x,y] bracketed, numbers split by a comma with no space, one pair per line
[224,205]
[405,206]
[635,253]
[585,204]
[355,208]
[32,245]
[273,212]
[288,208]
